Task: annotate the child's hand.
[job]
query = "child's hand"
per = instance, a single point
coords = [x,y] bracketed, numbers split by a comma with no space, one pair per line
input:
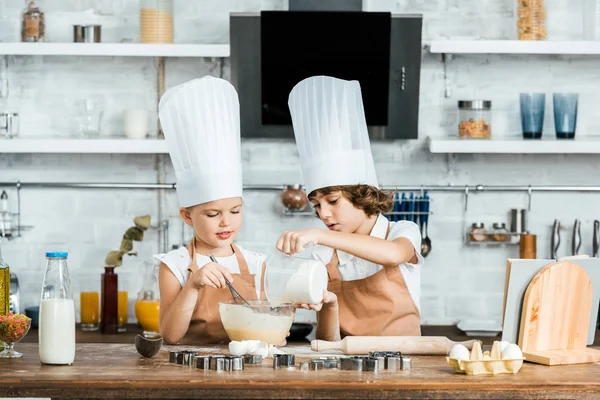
[329,299]
[293,242]
[211,274]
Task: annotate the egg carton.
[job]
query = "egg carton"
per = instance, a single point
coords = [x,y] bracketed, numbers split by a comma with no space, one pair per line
[489,362]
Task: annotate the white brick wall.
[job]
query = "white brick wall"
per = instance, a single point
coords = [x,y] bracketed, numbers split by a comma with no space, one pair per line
[458,281]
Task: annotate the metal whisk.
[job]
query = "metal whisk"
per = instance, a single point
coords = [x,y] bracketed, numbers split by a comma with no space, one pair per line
[237,298]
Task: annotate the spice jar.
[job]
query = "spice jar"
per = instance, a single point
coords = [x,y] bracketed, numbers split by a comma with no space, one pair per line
[499,233]
[156,21]
[478,233]
[32,23]
[293,198]
[531,19]
[475,119]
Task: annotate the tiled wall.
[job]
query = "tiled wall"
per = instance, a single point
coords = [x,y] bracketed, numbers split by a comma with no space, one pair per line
[458,282]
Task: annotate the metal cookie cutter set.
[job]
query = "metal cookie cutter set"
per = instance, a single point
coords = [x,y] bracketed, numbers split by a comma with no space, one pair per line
[376,361]
[283,361]
[319,363]
[217,363]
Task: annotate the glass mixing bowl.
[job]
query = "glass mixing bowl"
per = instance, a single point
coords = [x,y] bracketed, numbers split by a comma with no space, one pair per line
[257,320]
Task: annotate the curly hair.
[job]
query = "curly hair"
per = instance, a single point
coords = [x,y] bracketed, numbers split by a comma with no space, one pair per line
[368,198]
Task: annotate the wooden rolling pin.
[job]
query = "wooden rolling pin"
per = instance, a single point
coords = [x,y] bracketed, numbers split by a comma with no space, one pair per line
[429,345]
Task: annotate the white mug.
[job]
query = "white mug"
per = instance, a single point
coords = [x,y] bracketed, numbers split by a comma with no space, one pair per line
[136,123]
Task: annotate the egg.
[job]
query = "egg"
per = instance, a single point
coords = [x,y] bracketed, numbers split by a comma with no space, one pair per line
[237,348]
[259,349]
[503,345]
[459,352]
[512,352]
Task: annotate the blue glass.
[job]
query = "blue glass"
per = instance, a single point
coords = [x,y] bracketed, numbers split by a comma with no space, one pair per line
[533,106]
[565,114]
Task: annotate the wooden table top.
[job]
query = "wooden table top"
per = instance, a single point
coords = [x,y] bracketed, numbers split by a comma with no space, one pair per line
[117,371]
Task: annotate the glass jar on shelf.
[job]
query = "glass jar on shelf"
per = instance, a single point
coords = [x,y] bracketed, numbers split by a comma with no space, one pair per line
[531,19]
[499,232]
[475,119]
[478,232]
[32,23]
[156,21]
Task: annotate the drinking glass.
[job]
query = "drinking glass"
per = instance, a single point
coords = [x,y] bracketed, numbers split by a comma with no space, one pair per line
[532,114]
[565,114]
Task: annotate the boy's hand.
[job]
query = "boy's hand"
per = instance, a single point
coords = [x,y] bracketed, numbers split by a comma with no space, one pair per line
[292,242]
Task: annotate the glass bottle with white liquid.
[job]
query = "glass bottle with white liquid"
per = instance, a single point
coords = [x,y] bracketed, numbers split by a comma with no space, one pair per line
[57,313]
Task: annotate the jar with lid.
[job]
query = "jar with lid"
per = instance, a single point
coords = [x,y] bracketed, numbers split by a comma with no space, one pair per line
[57,313]
[531,19]
[156,21]
[475,119]
[32,23]
[478,232]
[499,232]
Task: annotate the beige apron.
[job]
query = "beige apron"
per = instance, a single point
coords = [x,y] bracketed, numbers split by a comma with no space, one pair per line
[379,305]
[205,325]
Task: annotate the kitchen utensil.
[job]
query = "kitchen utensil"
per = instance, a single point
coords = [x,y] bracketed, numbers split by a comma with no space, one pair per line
[411,208]
[147,347]
[87,33]
[202,362]
[518,220]
[528,246]
[555,239]
[565,114]
[283,360]
[316,365]
[351,364]
[596,239]
[237,297]
[9,124]
[397,208]
[576,243]
[403,207]
[560,295]
[253,359]
[426,242]
[257,320]
[299,332]
[424,345]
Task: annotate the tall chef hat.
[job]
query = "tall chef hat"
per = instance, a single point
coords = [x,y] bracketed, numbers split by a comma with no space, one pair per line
[201,123]
[331,133]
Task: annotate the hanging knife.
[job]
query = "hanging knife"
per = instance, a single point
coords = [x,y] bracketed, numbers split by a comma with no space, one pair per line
[596,243]
[555,239]
[576,244]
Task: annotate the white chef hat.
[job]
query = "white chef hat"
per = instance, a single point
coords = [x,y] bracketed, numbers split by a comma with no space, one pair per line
[331,133]
[201,123]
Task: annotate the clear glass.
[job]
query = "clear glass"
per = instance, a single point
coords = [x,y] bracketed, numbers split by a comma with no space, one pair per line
[474,123]
[531,19]
[156,21]
[294,279]
[565,114]
[147,304]
[12,329]
[89,115]
[89,305]
[122,310]
[532,114]
[257,320]
[591,19]
[57,340]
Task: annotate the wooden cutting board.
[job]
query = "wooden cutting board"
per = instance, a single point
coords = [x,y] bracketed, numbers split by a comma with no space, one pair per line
[556,308]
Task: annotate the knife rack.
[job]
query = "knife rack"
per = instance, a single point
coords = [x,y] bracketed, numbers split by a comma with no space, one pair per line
[555,316]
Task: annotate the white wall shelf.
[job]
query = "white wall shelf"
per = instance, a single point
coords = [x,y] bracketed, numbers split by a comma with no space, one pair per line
[83,146]
[115,49]
[586,145]
[514,47]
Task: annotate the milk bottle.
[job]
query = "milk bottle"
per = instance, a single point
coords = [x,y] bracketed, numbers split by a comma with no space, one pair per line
[57,313]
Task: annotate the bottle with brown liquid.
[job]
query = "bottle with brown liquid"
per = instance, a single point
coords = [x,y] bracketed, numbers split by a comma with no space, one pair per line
[32,24]
[4,286]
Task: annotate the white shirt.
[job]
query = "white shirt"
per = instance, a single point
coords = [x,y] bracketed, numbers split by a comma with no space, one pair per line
[353,268]
[179,260]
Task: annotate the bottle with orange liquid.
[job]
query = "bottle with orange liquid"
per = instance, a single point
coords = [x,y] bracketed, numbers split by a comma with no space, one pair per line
[147,305]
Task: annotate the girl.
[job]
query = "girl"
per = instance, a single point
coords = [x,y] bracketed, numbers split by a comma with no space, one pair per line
[200,120]
[373,264]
